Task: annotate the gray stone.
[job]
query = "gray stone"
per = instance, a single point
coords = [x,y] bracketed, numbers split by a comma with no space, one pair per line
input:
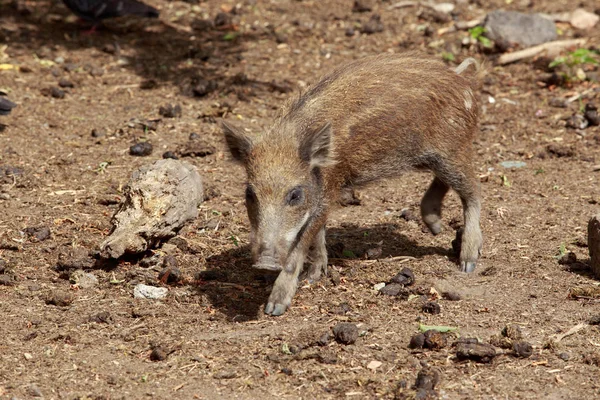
[142,291]
[514,27]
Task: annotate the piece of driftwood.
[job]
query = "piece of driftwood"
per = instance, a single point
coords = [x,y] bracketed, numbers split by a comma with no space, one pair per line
[551,49]
[159,199]
[594,244]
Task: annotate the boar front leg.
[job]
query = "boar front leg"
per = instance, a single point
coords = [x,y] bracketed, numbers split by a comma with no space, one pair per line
[286,284]
[317,258]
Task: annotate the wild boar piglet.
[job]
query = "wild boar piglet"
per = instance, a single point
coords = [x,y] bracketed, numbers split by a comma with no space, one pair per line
[370,119]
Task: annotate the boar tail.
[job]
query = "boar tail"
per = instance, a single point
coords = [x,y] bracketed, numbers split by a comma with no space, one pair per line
[475,74]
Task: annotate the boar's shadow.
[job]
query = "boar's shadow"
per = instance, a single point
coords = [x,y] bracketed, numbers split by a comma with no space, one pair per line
[240,291]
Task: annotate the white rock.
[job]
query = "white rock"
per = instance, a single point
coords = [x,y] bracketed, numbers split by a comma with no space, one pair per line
[378,286]
[142,291]
[373,365]
[582,19]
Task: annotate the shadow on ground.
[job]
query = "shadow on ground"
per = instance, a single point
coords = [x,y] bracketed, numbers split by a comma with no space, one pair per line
[240,291]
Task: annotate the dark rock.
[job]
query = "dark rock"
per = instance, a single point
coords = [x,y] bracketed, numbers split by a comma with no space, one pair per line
[286,371]
[438,17]
[361,6]
[525,30]
[141,149]
[405,277]
[65,83]
[150,261]
[170,111]
[202,87]
[417,341]
[595,320]
[568,259]
[345,332]
[431,307]
[591,114]
[3,266]
[479,352]
[98,133]
[39,233]
[335,277]
[170,154]
[349,31]
[564,356]
[407,215]
[594,243]
[391,289]
[373,25]
[324,339]
[452,296]
[427,379]
[60,298]
[170,274]
[523,349]
[158,354]
[374,253]
[222,19]
[148,84]
[577,121]
[435,340]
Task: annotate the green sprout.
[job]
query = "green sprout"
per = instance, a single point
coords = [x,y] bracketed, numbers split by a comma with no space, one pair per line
[448,56]
[477,34]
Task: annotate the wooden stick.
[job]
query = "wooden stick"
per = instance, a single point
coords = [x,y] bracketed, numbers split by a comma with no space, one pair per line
[551,49]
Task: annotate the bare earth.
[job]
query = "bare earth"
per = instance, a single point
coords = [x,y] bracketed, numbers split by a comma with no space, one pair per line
[209,338]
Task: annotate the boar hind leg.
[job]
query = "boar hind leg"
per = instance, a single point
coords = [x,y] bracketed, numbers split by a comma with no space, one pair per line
[431,205]
[317,258]
[464,181]
[285,285]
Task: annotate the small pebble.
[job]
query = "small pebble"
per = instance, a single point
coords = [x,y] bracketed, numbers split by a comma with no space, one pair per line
[452,296]
[523,349]
[170,274]
[158,354]
[35,391]
[512,331]
[82,279]
[142,291]
[57,93]
[435,340]
[98,133]
[417,341]
[65,83]
[591,114]
[324,339]
[405,277]
[7,280]
[431,307]
[60,299]
[346,332]
[564,356]
[391,289]
[170,111]
[286,371]
[40,233]
[595,320]
[373,25]
[141,149]
[479,352]
[170,154]
[427,379]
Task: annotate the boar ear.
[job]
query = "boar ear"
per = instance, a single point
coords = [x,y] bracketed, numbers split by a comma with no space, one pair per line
[239,144]
[316,147]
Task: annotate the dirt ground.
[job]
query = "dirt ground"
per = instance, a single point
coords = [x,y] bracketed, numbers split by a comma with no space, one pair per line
[64,158]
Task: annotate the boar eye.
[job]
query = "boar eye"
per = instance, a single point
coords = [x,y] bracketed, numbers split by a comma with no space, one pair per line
[295,196]
[250,195]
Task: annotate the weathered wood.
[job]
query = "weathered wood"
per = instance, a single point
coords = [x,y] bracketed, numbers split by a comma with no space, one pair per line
[159,199]
[594,244]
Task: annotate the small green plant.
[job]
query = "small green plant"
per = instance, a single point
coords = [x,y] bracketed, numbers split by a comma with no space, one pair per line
[348,254]
[102,167]
[477,34]
[576,58]
[571,66]
[540,170]
[235,240]
[447,56]
[505,181]
[562,250]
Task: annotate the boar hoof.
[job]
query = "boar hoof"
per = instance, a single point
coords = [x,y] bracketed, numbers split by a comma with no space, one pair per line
[467,266]
[275,309]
